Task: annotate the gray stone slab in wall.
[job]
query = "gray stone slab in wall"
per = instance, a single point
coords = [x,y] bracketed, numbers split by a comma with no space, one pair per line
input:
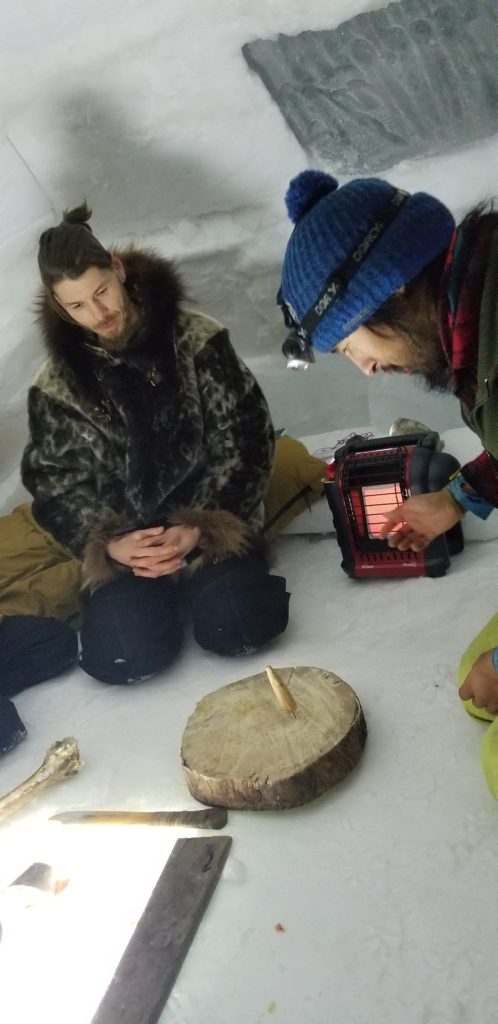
[412,79]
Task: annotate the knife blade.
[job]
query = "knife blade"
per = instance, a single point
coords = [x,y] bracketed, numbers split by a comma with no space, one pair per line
[212,817]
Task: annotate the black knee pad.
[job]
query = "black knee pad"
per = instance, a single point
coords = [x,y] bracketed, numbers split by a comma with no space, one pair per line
[131,629]
[32,649]
[237,607]
[12,730]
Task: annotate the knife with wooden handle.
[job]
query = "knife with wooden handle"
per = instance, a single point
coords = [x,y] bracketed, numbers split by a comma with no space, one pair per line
[212,817]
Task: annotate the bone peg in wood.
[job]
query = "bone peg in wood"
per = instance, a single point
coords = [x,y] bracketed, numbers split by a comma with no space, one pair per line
[281,691]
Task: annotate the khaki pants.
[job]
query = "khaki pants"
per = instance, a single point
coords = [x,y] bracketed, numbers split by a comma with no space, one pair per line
[37,575]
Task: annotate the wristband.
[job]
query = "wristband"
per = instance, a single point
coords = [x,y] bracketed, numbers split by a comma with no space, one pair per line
[192,555]
[469,502]
[494,658]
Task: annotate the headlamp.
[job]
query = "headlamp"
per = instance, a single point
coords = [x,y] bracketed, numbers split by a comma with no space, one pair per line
[297,347]
[298,351]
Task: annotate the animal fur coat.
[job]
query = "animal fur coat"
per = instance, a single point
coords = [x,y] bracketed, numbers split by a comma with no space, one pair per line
[173,430]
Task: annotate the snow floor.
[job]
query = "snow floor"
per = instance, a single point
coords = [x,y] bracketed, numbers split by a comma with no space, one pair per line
[384,887]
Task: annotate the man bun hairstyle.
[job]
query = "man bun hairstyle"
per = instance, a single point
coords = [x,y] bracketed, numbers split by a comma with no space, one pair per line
[78,215]
[70,249]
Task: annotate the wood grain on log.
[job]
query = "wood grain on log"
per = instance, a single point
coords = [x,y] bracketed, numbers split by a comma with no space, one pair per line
[241,750]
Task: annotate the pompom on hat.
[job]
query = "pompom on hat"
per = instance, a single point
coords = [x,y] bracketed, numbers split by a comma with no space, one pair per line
[377,237]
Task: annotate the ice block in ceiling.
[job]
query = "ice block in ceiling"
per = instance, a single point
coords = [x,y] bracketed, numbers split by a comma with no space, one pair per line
[411,79]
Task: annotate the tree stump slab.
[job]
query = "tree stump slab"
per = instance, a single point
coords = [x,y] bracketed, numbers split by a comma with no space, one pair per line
[241,749]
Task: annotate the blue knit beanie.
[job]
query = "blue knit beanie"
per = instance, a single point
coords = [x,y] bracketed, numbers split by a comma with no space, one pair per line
[331,222]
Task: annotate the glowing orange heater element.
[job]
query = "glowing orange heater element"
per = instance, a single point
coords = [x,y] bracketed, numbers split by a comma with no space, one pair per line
[377,500]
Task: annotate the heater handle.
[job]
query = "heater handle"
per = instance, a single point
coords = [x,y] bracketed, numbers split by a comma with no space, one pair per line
[360,444]
[430,471]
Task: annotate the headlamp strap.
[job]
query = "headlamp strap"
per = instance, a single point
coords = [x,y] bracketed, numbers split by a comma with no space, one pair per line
[339,279]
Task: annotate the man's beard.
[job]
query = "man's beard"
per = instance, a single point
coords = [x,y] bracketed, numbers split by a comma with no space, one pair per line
[437,379]
[119,342]
[432,368]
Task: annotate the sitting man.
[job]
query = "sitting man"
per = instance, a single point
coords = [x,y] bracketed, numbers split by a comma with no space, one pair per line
[150,452]
[32,649]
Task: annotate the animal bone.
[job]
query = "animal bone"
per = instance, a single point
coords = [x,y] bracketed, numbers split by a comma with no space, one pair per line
[61,761]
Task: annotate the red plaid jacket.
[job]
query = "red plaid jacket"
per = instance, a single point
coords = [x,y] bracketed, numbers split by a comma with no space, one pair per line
[465,272]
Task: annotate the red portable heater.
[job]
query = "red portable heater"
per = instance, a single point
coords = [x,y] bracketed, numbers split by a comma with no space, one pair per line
[367,478]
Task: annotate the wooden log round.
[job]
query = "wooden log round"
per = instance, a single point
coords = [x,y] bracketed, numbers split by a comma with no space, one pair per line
[242,749]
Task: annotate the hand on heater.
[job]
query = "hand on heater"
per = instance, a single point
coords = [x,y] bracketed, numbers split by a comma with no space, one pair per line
[412,525]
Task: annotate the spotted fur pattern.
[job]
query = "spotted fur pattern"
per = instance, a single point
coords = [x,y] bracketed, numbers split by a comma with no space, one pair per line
[176,421]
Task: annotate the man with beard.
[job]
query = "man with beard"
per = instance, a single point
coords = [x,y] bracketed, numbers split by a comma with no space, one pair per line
[150,453]
[387,280]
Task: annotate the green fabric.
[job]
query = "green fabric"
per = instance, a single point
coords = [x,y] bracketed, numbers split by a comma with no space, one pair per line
[489,757]
[484,641]
[483,418]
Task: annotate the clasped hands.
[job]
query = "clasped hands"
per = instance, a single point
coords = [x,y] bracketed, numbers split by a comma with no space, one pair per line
[156,551]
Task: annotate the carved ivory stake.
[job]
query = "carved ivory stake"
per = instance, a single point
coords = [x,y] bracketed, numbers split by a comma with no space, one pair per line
[281,691]
[61,761]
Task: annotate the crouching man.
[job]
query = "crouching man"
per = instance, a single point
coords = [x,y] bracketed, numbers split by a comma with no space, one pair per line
[389,281]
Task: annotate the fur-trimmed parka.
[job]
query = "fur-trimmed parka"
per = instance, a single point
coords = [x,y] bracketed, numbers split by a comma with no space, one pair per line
[173,429]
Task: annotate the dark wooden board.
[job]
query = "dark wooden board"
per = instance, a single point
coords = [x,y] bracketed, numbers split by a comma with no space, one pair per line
[155,953]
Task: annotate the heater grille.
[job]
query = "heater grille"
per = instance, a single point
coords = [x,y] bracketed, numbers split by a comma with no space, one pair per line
[369,477]
[373,482]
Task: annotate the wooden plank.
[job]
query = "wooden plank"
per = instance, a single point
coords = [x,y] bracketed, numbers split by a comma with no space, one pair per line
[155,953]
